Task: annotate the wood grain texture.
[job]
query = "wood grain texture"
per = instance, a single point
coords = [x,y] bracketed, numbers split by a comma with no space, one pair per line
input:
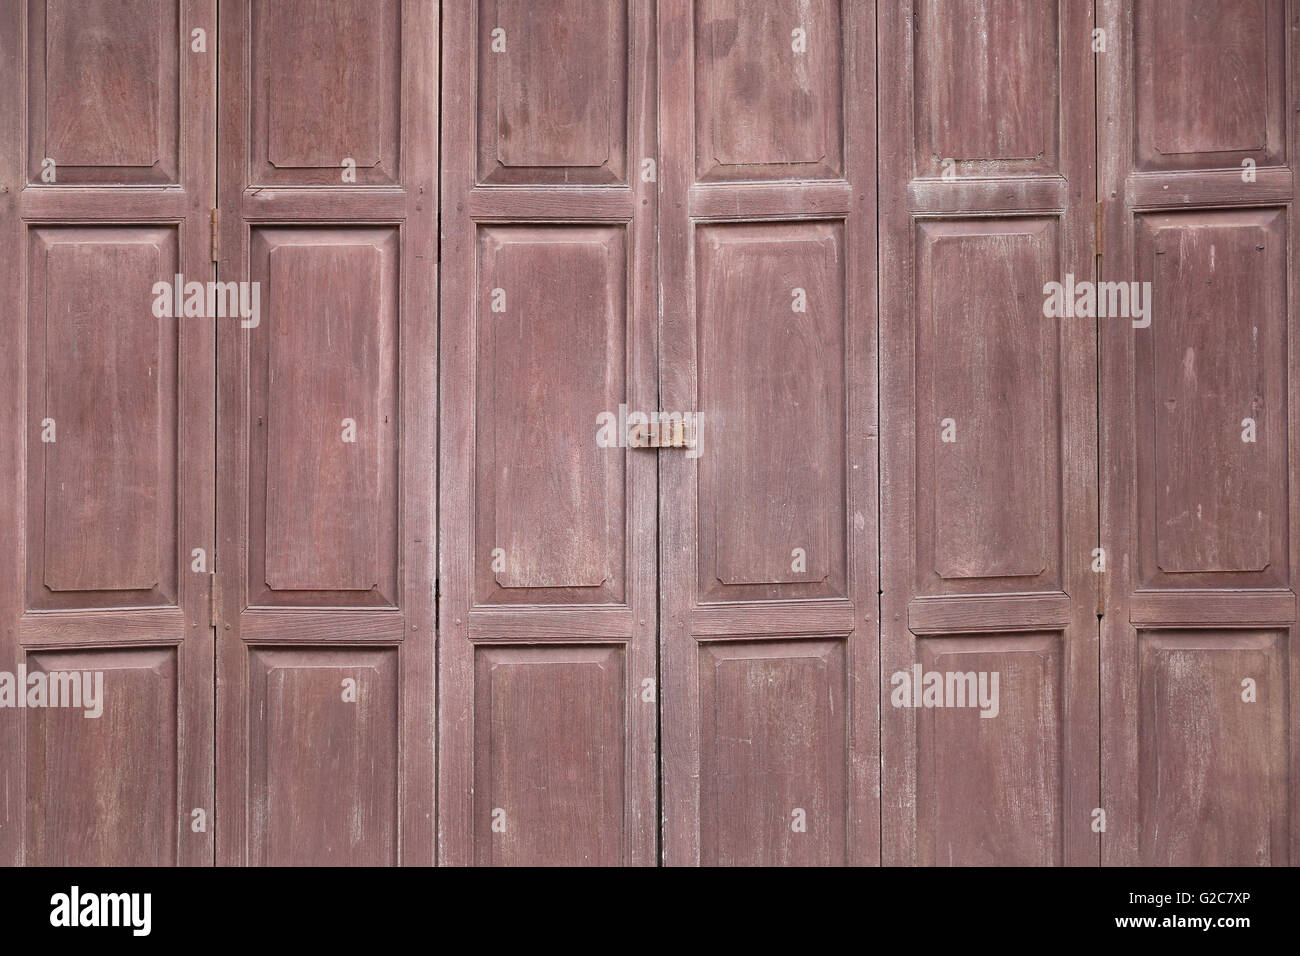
[327,548]
[754,721]
[111,513]
[1003,90]
[542,716]
[1199,526]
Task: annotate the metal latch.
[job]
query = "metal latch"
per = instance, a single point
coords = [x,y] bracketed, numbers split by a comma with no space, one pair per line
[664,431]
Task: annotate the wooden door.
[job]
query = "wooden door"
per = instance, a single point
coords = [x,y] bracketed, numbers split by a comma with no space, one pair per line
[106,432]
[768,526]
[988,418]
[1198,430]
[547,615]
[327,431]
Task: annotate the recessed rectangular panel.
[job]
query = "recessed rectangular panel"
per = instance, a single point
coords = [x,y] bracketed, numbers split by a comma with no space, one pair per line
[323,756]
[102,420]
[326,92]
[988,787]
[552,340]
[103,89]
[770,309]
[768,97]
[988,406]
[987,84]
[1210,83]
[1212,399]
[1213,748]
[550,762]
[102,790]
[323,416]
[773,758]
[553,86]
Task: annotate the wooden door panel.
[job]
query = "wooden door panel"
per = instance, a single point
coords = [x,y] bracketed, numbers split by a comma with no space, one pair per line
[307,738]
[1213,774]
[558,518]
[323,510]
[108,381]
[547,619]
[773,506]
[992,521]
[767,528]
[126,756]
[107,113]
[326,418]
[344,53]
[988,424]
[1009,764]
[550,750]
[106,432]
[773,751]
[1198,440]
[765,110]
[553,92]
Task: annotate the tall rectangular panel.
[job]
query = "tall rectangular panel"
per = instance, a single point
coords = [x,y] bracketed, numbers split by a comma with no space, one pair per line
[988,425]
[768,524]
[107,418]
[102,372]
[547,583]
[550,503]
[326,419]
[1198,435]
[771,371]
[1003,755]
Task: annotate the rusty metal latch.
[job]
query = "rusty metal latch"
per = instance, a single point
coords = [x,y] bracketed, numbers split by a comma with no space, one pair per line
[664,432]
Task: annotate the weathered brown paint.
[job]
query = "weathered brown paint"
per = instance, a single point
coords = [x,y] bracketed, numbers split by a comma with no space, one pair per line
[326,545]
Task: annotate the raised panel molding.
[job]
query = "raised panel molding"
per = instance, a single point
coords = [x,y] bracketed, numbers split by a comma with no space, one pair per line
[988,79]
[122,128]
[987,377]
[553,91]
[324,417]
[771,333]
[551,524]
[103,369]
[325,89]
[764,109]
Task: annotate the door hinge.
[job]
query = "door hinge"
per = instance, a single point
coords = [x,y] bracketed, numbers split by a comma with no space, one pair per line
[215,232]
[665,431]
[214,602]
[1100,226]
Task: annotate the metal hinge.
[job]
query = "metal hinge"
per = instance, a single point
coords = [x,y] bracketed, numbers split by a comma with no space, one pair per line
[215,223]
[664,431]
[214,602]
[1100,226]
